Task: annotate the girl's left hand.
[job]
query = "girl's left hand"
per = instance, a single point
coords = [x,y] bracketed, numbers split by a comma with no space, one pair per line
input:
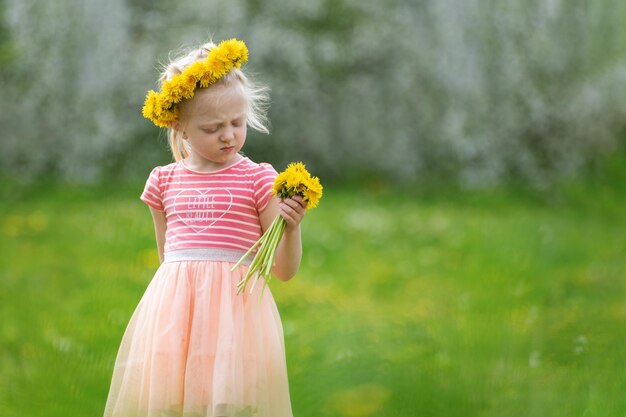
[292,210]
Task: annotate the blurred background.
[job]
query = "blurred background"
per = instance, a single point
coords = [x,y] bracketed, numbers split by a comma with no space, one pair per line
[476,90]
[468,257]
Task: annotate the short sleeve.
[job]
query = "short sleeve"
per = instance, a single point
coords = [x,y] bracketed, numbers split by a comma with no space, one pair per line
[152,195]
[263,182]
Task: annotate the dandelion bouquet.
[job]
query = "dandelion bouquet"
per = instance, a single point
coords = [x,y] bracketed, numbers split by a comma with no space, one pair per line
[295,180]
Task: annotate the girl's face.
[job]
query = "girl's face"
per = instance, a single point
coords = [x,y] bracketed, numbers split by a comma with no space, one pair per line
[215,125]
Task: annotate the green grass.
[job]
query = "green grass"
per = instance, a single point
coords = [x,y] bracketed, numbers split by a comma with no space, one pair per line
[494,304]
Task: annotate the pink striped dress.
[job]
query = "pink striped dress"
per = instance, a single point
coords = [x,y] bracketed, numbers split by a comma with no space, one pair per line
[193,346]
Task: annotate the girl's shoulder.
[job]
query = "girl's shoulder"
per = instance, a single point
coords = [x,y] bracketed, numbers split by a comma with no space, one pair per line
[169,167]
[257,166]
[159,169]
[162,174]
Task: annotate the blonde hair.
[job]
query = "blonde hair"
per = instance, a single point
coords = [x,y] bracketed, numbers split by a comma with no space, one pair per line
[257,96]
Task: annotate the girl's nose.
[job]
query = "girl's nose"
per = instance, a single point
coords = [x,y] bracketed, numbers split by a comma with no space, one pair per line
[228,135]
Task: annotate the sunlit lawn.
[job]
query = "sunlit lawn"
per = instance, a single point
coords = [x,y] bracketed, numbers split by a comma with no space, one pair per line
[421,304]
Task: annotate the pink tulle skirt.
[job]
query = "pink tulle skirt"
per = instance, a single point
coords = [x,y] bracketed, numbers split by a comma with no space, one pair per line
[194,347]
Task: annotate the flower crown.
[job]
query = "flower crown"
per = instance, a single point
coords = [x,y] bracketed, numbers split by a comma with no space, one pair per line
[162,107]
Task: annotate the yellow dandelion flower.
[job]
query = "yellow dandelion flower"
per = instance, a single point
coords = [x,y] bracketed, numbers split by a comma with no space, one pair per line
[297,167]
[162,108]
[196,69]
[150,104]
[295,180]
[279,183]
[290,181]
[313,192]
[191,82]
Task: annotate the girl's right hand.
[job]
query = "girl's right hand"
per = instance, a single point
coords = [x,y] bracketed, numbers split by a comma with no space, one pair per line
[292,210]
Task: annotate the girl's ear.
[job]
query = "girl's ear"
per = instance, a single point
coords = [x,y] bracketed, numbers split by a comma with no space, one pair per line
[177,127]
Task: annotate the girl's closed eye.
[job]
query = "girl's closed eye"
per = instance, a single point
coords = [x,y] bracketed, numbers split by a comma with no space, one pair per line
[211,129]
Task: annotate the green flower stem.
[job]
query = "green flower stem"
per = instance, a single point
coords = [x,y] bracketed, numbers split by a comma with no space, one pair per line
[267,254]
[264,258]
[277,236]
[273,244]
[258,242]
[255,262]
[270,245]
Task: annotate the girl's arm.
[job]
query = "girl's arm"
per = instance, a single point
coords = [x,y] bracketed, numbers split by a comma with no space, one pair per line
[289,251]
[159,230]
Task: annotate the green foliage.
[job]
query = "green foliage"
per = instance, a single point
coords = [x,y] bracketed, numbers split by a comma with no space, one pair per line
[6,50]
[428,303]
[481,92]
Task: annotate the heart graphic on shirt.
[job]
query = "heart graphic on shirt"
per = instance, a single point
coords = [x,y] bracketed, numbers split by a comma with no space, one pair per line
[201,209]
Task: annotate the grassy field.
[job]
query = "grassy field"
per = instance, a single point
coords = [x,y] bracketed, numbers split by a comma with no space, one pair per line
[416,304]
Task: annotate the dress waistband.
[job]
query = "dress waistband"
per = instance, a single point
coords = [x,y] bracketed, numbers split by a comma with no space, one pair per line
[207,254]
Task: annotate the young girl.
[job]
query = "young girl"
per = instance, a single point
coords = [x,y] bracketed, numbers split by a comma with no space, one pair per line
[193,346]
